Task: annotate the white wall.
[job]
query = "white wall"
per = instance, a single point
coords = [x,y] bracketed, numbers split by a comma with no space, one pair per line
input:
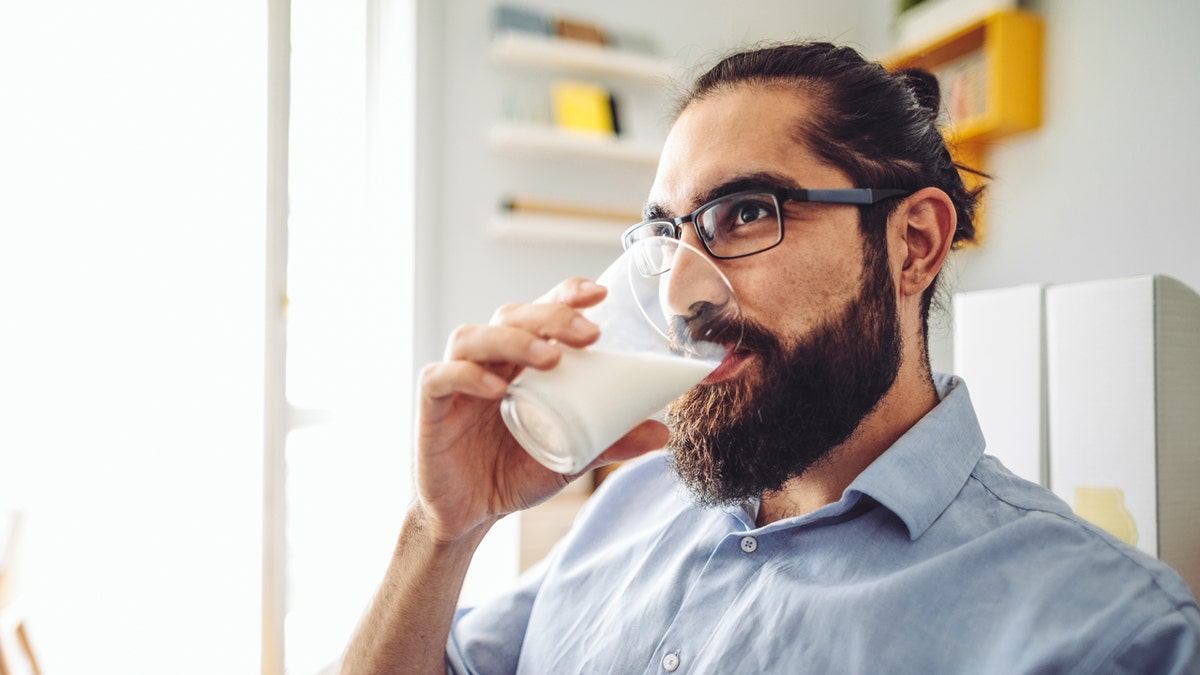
[1105,188]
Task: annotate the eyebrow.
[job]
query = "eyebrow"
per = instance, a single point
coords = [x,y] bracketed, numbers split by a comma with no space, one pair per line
[758,180]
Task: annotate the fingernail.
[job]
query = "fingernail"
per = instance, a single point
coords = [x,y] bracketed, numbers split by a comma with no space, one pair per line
[588,286]
[581,326]
[541,350]
[493,382]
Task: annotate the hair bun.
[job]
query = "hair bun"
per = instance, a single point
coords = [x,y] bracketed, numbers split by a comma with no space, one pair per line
[924,85]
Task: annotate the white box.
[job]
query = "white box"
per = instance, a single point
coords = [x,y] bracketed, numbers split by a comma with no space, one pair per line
[1123,394]
[999,352]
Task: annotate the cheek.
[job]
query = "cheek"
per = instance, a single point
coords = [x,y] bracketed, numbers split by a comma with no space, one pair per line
[790,293]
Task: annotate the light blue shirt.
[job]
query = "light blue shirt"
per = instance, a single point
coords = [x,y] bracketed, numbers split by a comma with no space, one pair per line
[935,560]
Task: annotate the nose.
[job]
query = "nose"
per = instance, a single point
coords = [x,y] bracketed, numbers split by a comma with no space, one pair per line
[698,296]
[689,235]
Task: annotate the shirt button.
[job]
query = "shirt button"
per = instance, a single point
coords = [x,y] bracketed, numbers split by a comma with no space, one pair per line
[749,544]
[670,662]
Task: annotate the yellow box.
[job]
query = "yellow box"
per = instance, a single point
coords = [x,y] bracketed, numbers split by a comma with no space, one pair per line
[582,106]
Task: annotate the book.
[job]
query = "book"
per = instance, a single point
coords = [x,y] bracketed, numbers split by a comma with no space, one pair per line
[519,19]
[583,106]
[529,204]
[575,29]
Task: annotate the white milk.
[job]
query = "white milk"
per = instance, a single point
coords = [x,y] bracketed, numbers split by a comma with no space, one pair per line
[568,415]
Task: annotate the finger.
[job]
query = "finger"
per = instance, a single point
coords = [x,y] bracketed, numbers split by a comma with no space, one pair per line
[551,321]
[439,380]
[501,344]
[575,292]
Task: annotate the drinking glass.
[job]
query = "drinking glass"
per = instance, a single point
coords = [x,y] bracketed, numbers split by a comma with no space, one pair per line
[669,319]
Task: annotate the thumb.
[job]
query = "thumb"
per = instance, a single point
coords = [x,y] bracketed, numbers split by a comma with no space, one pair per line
[645,437]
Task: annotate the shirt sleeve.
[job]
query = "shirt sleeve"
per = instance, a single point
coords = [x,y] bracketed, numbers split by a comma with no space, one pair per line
[1168,644]
[488,639]
[491,638]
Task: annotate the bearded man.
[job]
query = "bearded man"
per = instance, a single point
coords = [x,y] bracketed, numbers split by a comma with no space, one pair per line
[824,504]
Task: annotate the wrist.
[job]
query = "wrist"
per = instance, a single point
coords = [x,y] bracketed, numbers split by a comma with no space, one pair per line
[423,523]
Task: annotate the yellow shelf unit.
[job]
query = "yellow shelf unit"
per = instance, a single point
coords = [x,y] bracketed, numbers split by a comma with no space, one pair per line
[1004,50]
[990,71]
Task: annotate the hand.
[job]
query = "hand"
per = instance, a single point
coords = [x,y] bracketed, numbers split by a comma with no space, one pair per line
[470,470]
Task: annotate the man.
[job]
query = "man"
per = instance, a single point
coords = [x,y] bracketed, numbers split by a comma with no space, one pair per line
[825,505]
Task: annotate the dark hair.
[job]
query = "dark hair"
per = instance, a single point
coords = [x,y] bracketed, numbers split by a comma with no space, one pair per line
[878,127]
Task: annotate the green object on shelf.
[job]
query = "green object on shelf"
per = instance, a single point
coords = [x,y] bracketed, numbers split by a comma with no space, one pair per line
[508,17]
[903,6]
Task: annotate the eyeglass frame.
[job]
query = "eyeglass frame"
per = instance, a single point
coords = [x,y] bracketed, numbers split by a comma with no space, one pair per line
[854,196]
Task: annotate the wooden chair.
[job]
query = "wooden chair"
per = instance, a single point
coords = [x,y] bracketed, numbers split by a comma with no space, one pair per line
[9,617]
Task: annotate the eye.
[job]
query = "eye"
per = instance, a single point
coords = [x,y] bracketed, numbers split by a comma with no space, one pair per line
[749,211]
[664,229]
[740,213]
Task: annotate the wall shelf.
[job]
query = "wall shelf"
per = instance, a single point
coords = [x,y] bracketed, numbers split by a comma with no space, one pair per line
[558,154]
[519,139]
[990,72]
[527,50]
[996,63]
[542,228]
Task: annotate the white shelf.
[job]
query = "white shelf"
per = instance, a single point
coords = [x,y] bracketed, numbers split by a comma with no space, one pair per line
[511,138]
[528,50]
[557,229]
[558,55]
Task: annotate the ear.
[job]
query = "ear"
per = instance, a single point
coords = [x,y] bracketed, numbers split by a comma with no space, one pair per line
[926,228]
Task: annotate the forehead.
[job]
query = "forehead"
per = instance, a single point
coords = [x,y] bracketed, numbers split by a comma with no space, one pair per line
[746,130]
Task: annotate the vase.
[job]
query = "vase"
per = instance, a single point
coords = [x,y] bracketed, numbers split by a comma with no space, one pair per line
[1105,507]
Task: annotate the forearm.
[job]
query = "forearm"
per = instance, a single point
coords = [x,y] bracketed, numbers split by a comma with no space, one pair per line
[406,627]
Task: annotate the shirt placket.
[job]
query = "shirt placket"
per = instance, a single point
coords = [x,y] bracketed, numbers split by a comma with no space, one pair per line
[732,564]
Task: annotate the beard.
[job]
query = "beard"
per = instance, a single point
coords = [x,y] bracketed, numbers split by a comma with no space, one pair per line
[747,437]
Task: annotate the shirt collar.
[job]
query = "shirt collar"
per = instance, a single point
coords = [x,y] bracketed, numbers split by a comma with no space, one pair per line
[925,469]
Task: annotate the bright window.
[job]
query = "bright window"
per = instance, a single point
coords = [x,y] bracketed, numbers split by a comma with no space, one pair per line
[133,154]
[131,342]
[349,374]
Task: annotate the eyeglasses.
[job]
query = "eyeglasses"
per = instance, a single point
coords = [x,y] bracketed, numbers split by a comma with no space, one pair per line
[745,223]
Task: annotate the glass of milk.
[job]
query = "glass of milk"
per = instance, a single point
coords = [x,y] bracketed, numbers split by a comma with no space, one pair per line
[669,319]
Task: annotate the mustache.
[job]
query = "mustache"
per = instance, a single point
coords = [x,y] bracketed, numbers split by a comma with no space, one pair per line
[710,322]
[757,339]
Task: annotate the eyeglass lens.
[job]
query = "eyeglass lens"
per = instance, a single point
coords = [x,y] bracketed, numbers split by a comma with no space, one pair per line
[740,224]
